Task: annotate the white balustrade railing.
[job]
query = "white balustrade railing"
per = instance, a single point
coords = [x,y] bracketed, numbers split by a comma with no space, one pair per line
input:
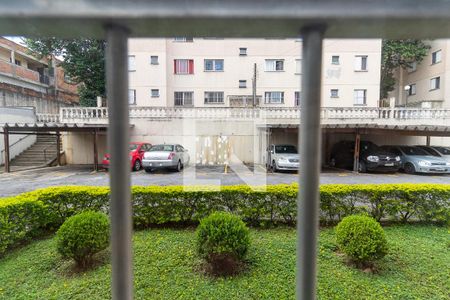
[338,114]
[47,118]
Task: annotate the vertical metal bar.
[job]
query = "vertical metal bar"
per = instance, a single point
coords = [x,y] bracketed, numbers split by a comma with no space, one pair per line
[6,143]
[428,140]
[309,144]
[118,140]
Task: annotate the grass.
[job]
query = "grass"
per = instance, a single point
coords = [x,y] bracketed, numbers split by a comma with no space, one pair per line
[418,267]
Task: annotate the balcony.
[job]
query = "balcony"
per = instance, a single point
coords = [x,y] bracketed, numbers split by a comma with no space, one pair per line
[20,72]
[266,115]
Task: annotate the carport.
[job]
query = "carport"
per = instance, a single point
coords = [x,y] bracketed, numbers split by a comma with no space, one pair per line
[53,129]
[356,131]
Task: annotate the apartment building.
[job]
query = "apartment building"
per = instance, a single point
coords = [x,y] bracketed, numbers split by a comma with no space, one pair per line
[426,84]
[212,72]
[31,82]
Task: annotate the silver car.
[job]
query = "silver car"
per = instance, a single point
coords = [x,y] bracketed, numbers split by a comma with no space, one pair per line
[165,156]
[417,160]
[438,151]
[282,157]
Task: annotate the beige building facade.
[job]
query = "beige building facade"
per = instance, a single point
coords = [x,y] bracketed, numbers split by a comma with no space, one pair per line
[202,72]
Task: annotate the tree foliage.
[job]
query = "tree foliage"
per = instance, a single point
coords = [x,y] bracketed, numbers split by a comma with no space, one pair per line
[83,60]
[399,53]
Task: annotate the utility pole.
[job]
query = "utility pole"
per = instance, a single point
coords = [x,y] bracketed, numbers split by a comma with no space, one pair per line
[254,85]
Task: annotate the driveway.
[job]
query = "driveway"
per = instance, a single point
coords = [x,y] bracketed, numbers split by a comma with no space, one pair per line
[23,181]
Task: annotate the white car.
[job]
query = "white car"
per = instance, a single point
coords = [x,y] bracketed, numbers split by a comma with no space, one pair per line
[165,156]
[282,157]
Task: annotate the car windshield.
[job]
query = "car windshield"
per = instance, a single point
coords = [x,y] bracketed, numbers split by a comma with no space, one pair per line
[366,146]
[443,150]
[133,147]
[413,151]
[430,151]
[161,148]
[288,149]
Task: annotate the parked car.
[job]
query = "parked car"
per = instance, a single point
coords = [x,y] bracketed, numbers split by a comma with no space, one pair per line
[137,150]
[282,157]
[438,151]
[371,157]
[417,160]
[165,156]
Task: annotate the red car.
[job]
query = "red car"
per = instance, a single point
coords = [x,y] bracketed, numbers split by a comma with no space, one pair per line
[137,150]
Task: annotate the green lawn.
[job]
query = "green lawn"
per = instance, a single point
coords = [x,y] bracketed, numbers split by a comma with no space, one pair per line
[418,267]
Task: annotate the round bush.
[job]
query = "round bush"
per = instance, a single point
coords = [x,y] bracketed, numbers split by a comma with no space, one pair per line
[83,235]
[361,238]
[222,239]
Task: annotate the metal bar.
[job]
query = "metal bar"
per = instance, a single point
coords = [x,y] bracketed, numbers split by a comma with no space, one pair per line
[118,140]
[6,143]
[428,140]
[238,18]
[309,143]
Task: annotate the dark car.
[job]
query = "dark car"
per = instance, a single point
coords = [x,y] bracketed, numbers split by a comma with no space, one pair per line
[371,157]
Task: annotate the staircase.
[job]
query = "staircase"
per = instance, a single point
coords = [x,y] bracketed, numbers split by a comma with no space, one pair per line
[41,153]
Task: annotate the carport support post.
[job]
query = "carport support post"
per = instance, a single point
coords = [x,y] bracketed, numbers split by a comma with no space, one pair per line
[428,140]
[118,140]
[310,133]
[95,150]
[58,148]
[356,153]
[6,142]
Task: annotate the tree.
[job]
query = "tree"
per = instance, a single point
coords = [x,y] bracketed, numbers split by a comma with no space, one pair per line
[398,54]
[83,60]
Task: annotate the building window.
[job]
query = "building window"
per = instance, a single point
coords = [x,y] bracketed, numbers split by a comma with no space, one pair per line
[132,97]
[361,63]
[435,83]
[274,97]
[412,67]
[297,97]
[242,84]
[154,60]
[242,51]
[155,93]
[360,97]
[183,66]
[335,60]
[273,65]
[17,62]
[436,57]
[298,66]
[334,93]
[131,63]
[412,89]
[184,98]
[213,97]
[184,39]
[213,65]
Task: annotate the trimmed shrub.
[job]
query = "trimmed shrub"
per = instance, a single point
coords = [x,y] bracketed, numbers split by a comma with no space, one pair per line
[362,239]
[83,235]
[25,215]
[223,240]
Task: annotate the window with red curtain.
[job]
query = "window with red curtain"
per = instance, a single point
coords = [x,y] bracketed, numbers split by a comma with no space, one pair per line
[183,66]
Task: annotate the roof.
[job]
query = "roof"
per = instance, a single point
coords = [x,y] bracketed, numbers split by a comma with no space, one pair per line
[228,18]
[51,127]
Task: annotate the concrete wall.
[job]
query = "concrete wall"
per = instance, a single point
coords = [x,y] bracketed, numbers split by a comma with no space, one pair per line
[79,147]
[18,143]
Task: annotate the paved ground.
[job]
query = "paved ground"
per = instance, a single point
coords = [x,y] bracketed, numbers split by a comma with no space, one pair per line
[22,181]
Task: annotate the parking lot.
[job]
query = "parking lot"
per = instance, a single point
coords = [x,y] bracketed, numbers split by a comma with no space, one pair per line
[28,180]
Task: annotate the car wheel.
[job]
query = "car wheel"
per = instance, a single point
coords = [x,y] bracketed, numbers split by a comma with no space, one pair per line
[362,168]
[148,170]
[179,166]
[409,168]
[137,165]
[274,167]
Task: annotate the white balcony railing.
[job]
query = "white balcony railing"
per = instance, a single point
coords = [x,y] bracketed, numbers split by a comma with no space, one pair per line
[418,116]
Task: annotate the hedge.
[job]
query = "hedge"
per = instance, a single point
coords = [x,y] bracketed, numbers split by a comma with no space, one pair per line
[25,215]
